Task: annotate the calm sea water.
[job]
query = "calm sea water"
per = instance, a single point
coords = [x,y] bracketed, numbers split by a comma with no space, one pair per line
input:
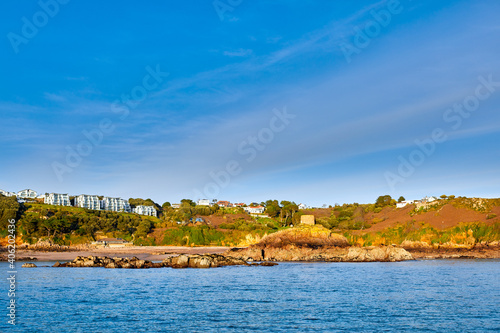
[433,296]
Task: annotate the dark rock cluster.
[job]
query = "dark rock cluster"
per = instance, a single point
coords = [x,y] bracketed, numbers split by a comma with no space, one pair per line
[181,261]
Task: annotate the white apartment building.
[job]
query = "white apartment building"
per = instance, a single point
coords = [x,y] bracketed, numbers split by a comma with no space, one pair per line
[27,194]
[254,210]
[145,210]
[88,201]
[203,202]
[7,194]
[115,204]
[57,199]
[404,203]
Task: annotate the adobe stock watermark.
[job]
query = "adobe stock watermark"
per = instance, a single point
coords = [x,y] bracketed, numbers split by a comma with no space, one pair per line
[248,149]
[453,116]
[223,6]
[94,137]
[363,36]
[30,27]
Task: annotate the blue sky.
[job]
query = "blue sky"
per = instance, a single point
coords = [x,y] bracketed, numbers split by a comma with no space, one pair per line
[347,121]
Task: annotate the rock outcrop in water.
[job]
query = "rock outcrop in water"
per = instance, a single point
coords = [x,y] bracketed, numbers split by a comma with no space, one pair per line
[202,261]
[348,254]
[380,253]
[181,261]
[28,265]
[315,243]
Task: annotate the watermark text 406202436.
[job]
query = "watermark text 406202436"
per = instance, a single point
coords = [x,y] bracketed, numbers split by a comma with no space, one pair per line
[12,273]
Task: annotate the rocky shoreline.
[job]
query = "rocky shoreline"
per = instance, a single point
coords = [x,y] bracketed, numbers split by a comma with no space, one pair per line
[181,261]
[303,243]
[327,254]
[268,256]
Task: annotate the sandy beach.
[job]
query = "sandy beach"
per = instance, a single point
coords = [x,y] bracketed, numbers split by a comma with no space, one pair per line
[151,253]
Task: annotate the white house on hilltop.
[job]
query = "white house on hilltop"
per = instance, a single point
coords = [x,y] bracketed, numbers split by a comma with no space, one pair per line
[115,204]
[410,202]
[404,203]
[254,210]
[88,201]
[429,199]
[302,206]
[203,202]
[145,210]
[7,194]
[27,194]
[57,199]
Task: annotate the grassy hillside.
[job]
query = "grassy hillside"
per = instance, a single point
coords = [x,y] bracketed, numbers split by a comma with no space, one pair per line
[448,221]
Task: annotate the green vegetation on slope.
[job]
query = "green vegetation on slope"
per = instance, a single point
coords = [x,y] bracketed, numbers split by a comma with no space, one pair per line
[462,234]
[72,225]
[40,220]
[9,209]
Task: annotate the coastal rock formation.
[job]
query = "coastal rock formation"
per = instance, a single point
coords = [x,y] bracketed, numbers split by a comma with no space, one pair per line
[94,261]
[181,261]
[28,265]
[304,236]
[204,261]
[315,243]
[351,254]
[379,253]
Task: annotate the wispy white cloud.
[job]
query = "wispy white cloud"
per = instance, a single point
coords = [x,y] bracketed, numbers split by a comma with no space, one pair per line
[239,53]
[54,97]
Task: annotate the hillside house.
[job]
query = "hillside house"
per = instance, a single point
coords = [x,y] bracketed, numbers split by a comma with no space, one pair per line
[145,210]
[27,194]
[58,199]
[203,202]
[88,201]
[254,210]
[7,194]
[404,203]
[115,205]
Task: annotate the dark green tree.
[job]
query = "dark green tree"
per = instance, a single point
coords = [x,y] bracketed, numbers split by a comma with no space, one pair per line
[188,201]
[383,200]
[273,208]
[9,208]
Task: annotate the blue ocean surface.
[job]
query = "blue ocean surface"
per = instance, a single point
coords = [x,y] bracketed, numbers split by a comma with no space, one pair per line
[416,296]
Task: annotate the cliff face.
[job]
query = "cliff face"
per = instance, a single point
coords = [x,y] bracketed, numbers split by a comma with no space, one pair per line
[332,254]
[315,243]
